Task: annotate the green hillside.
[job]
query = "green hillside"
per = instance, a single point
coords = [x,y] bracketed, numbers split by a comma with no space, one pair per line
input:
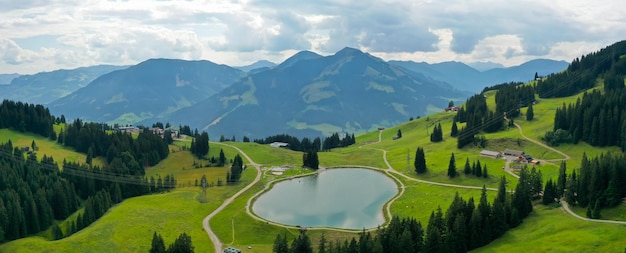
[134,216]
[128,226]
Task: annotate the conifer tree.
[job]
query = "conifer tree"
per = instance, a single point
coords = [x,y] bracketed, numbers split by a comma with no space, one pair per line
[158,245]
[530,114]
[420,161]
[467,169]
[485,174]
[455,130]
[561,181]
[452,167]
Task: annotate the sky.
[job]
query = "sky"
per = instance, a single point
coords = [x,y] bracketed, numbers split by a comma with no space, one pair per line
[45,35]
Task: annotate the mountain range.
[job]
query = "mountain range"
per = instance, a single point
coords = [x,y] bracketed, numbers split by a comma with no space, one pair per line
[464,77]
[45,87]
[309,94]
[306,95]
[151,89]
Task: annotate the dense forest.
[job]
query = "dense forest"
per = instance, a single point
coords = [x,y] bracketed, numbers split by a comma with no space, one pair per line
[599,183]
[582,73]
[36,193]
[599,118]
[464,226]
[478,118]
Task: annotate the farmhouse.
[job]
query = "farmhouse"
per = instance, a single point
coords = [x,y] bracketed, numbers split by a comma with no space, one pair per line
[278,144]
[511,152]
[491,154]
[129,129]
[451,109]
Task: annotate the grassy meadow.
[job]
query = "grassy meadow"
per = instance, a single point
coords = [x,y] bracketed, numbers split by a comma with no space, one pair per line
[128,226]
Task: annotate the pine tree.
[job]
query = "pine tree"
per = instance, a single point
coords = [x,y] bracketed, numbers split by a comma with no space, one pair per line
[561,181]
[280,244]
[158,245]
[321,248]
[595,212]
[485,174]
[530,114]
[420,161]
[56,232]
[399,134]
[182,244]
[548,193]
[467,169]
[302,243]
[455,130]
[571,189]
[452,167]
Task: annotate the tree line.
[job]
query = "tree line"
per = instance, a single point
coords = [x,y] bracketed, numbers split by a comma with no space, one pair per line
[24,117]
[466,225]
[582,72]
[599,118]
[32,194]
[478,118]
[182,244]
[92,139]
[599,183]
[306,144]
[510,98]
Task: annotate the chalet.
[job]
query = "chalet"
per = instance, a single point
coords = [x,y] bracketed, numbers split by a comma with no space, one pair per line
[129,129]
[511,152]
[231,250]
[491,154]
[451,109]
[157,130]
[279,144]
[381,128]
[396,137]
[25,149]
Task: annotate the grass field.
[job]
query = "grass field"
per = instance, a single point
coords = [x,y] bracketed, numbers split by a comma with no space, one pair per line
[550,229]
[46,147]
[128,227]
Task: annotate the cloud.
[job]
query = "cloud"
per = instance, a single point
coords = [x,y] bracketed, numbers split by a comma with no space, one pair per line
[239,32]
[13,54]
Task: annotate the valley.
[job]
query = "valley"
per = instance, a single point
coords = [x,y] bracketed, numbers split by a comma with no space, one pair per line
[186,183]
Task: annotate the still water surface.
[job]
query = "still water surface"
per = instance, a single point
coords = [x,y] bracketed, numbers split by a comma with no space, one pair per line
[342,198]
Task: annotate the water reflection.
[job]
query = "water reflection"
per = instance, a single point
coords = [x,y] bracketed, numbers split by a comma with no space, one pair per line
[342,198]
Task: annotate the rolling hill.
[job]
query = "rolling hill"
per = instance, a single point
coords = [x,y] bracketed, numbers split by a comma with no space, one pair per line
[464,77]
[153,88]
[309,95]
[45,87]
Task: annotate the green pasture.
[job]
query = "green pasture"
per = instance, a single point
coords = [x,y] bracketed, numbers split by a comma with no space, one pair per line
[549,229]
[46,147]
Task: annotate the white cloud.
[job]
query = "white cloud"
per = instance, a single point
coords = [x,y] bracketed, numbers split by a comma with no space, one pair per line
[240,32]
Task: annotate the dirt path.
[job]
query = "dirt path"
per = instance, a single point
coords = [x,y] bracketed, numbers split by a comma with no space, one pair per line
[566,207]
[390,170]
[205,223]
[566,157]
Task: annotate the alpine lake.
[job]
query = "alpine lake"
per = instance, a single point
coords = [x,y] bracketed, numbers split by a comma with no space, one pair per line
[346,198]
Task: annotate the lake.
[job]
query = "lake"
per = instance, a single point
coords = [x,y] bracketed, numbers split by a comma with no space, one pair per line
[350,198]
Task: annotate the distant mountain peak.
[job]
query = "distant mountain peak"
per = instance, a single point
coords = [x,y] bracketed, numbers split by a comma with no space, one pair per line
[302,55]
[349,51]
[257,65]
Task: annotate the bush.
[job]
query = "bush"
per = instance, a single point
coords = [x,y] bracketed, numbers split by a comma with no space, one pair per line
[555,138]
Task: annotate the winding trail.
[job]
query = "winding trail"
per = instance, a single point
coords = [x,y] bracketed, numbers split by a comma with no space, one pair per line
[566,157]
[566,207]
[205,223]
